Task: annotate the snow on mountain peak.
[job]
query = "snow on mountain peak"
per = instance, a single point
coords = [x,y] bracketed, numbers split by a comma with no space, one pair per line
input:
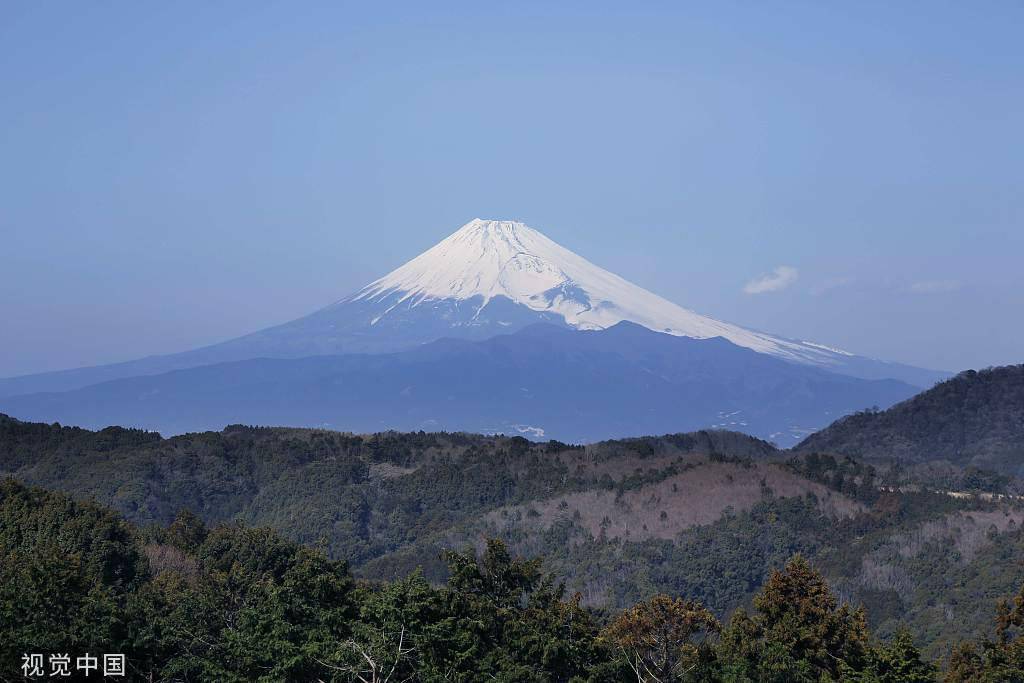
[485,259]
[482,258]
[480,226]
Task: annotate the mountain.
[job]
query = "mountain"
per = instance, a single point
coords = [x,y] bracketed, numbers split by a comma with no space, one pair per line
[544,381]
[705,516]
[488,278]
[976,418]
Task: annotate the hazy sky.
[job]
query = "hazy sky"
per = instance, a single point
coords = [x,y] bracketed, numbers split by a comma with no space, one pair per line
[174,174]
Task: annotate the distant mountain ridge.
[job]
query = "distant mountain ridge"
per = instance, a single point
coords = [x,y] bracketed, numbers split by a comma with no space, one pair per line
[488,278]
[544,381]
[975,418]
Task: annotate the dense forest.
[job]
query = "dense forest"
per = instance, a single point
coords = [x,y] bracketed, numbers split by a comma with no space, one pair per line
[708,515]
[188,602]
[975,418]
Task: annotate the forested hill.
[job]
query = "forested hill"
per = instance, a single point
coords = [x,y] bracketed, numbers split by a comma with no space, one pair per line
[707,516]
[975,418]
[231,603]
[187,602]
[368,496]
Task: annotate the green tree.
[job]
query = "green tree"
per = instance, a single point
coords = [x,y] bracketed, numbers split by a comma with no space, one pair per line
[398,623]
[187,532]
[261,609]
[899,661]
[798,632]
[990,661]
[506,621]
[66,572]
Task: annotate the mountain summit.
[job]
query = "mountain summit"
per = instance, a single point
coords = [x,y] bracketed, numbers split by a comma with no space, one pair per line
[489,277]
[485,260]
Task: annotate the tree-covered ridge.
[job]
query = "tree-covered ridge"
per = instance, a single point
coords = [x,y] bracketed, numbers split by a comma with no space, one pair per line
[366,496]
[187,602]
[975,418]
[707,515]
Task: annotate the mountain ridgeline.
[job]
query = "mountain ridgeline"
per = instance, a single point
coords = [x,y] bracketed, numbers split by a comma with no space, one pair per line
[976,418]
[495,329]
[544,381]
[488,278]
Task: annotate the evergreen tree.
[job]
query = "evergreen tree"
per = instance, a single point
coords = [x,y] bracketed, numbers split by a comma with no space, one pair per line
[990,661]
[899,661]
[798,632]
[509,622]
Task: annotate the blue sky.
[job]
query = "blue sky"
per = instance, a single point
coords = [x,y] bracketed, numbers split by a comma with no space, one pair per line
[180,173]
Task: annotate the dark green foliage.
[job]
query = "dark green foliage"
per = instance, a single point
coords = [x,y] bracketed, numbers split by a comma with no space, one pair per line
[66,570]
[798,632]
[187,532]
[390,503]
[995,659]
[242,604]
[720,564]
[899,661]
[511,621]
[971,419]
[234,603]
[364,496]
[977,479]
[257,608]
[711,442]
[843,474]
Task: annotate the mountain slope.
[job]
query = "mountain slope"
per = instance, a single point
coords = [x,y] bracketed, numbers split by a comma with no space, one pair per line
[976,418]
[314,484]
[542,381]
[704,515]
[488,278]
[485,260]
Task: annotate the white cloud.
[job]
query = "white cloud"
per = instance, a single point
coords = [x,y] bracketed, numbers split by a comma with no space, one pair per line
[935,286]
[778,279]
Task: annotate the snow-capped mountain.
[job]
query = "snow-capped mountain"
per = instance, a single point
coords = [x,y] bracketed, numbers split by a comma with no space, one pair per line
[486,260]
[490,277]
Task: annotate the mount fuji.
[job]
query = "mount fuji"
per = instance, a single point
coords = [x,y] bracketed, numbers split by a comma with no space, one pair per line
[545,381]
[490,277]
